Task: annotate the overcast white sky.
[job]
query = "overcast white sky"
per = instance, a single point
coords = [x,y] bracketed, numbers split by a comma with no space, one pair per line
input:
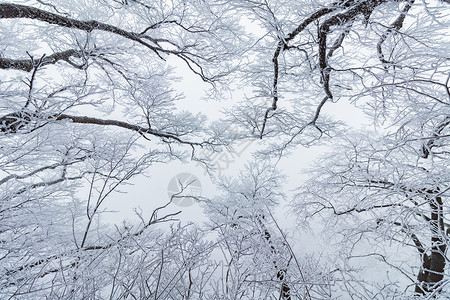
[147,193]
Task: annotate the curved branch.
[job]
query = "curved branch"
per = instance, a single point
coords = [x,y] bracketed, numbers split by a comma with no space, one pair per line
[404,228]
[364,8]
[338,42]
[41,169]
[318,109]
[274,87]
[308,21]
[426,148]
[43,184]
[393,29]
[360,210]
[282,45]
[15,11]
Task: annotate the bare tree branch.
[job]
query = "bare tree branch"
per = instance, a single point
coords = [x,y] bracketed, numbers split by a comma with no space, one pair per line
[393,29]
[27,64]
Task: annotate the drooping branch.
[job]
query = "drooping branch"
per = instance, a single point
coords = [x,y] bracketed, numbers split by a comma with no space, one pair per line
[393,29]
[43,184]
[404,228]
[364,8]
[274,88]
[360,210]
[283,45]
[36,65]
[340,39]
[41,169]
[315,16]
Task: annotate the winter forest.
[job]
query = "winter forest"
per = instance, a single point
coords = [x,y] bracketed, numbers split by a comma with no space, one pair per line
[337,113]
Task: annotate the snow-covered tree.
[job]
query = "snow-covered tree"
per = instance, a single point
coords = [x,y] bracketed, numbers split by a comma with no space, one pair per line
[259,262]
[86,104]
[384,183]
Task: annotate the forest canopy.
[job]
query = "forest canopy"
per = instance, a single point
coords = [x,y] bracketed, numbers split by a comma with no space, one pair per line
[89,101]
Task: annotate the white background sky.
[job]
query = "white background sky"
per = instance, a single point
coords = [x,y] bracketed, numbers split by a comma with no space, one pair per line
[147,193]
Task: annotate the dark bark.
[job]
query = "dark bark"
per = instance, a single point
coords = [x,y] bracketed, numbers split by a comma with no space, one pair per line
[12,11]
[13,122]
[393,29]
[28,64]
[283,45]
[433,264]
[428,146]
[353,9]
[16,11]
[281,273]
[364,8]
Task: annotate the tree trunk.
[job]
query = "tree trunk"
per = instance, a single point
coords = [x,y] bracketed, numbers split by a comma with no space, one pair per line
[433,264]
